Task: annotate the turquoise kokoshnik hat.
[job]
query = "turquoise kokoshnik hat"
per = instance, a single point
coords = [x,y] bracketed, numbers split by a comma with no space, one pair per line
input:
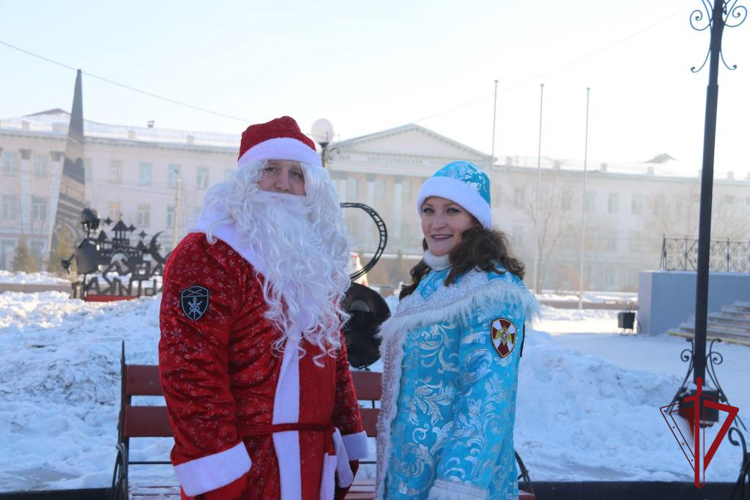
[464,183]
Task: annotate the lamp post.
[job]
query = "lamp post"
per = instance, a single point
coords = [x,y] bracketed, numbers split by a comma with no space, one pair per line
[322,133]
[716,17]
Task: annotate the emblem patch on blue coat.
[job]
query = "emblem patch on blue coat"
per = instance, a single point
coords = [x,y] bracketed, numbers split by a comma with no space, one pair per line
[194,302]
[503,334]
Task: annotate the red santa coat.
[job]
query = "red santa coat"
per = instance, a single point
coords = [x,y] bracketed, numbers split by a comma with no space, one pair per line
[248,423]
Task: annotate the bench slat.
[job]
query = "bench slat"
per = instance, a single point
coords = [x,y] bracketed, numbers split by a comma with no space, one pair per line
[367,385]
[370,420]
[147,421]
[142,380]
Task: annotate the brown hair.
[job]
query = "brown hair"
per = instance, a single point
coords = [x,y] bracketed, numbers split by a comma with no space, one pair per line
[480,248]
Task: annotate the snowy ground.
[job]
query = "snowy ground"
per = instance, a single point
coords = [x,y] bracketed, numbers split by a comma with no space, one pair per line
[588,404]
[21,278]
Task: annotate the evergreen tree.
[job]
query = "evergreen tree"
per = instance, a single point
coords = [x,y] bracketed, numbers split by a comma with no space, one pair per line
[23,260]
[62,251]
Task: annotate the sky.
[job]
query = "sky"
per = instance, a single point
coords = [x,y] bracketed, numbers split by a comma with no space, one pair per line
[368,67]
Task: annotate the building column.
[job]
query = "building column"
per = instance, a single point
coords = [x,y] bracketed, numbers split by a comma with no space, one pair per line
[369,201]
[26,214]
[397,205]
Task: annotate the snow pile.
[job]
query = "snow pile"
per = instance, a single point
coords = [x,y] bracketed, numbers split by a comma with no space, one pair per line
[579,417]
[22,278]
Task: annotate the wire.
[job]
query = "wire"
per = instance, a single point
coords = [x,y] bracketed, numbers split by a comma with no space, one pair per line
[128,87]
[560,68]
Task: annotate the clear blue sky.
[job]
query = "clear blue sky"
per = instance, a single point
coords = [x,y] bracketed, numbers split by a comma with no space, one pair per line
[372,66]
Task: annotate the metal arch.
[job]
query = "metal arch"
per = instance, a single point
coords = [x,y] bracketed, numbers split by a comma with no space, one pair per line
[382,231]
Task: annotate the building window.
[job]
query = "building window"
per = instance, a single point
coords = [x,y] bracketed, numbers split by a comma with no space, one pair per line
[636,204]
[173,173]
[88,164]
[41,166]
[38,209]
[610,277]
[352,188]
[10,164]
[170,216]
[7,249]
[379,189]
[406,191]
[144,174]
[115,172]
[566,200]
[613,203]
[201,178]
[590,201]
[519,197]
[143,215]
[113,211]
[611,243]
[9,206]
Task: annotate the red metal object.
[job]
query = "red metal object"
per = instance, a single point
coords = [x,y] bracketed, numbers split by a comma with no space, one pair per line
[108,298]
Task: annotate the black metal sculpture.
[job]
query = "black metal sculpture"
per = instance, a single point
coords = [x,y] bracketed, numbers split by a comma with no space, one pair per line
[366,307]
[98,255]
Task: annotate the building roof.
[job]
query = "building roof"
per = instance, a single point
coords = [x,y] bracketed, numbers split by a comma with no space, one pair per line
[56,121]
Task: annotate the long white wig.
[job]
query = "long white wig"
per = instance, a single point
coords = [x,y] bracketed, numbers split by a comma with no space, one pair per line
[301,241]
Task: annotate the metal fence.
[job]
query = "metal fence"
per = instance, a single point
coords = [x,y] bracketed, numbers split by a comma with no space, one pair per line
[681,254]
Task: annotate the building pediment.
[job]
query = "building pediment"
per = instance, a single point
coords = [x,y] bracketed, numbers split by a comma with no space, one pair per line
[412,140]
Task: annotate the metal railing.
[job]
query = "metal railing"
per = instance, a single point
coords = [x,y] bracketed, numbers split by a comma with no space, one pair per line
[681,254]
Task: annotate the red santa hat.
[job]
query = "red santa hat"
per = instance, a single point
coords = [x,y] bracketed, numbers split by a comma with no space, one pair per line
[279,139]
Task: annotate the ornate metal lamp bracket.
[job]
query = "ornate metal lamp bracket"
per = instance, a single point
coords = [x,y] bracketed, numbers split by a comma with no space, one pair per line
[733,16]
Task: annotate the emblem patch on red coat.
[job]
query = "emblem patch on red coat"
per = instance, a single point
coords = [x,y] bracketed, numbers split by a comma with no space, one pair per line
[503,334]
[194,302]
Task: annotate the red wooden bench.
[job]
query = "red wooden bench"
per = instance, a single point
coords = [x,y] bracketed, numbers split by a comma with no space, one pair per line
[153,421]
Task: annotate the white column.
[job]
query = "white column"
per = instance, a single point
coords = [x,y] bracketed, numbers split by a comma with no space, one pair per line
[397,205]
[369,200]
[26,192]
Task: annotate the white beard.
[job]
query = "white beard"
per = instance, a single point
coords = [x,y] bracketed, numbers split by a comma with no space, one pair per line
[303,272]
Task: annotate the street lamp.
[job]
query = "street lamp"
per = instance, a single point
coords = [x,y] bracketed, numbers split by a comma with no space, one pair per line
[322,133]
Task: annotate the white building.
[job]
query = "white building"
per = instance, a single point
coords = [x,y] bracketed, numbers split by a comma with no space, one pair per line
[133,173]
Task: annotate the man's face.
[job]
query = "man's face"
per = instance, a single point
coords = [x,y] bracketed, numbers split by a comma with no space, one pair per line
[283,176]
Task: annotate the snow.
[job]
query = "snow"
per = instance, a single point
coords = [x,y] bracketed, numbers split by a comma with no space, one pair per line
[22,278]
[588,403]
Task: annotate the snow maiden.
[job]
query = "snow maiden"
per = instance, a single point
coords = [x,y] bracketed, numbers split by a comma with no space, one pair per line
[451,352]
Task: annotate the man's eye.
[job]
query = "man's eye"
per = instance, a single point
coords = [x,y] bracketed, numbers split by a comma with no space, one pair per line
[298,174]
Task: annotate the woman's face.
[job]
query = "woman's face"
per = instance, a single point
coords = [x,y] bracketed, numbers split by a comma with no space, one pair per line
[443,222]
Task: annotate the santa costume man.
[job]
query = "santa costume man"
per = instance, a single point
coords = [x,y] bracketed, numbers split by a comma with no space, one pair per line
[251,358]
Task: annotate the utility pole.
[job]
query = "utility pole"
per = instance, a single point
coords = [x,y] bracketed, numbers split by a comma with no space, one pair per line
[583,203]
[492,156]
[537,250]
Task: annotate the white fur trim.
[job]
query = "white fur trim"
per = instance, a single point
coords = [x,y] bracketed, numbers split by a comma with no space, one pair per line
[327,481]
[476,293]
[356,445]
[285,411]
[453,490]
[213,471]
[435,262]
[281,148]
[458,192]
[343,469]
[227,233]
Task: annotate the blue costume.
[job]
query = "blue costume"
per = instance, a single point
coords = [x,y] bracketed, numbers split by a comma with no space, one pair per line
[451,357]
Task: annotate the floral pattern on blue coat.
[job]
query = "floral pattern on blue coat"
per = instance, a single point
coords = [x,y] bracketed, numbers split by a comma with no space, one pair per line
[446,426]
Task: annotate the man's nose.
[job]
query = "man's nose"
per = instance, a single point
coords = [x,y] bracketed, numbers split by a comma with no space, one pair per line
[282,183]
